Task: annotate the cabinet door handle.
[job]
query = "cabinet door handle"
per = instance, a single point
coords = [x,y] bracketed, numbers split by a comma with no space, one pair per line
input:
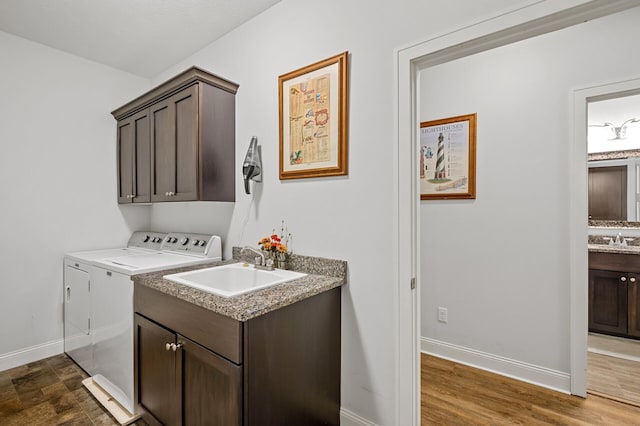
[623,279]
[68,294]
[632,279]
[172,346]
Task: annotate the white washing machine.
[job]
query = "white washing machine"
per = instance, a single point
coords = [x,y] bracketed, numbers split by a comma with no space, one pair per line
[109,355]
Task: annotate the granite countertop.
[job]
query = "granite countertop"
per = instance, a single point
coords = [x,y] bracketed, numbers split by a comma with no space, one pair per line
[598,244]
[603,248]
[322,275]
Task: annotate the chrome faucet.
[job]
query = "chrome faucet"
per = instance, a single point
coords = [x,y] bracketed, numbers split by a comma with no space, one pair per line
[259,262]
[618,240]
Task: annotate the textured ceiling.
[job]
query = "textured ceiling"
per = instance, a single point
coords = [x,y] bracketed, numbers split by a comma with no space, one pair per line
[143,37]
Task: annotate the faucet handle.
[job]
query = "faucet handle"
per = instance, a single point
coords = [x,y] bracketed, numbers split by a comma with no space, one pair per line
[257,260]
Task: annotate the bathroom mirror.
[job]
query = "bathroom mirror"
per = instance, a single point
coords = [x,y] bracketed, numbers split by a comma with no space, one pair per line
[614,161]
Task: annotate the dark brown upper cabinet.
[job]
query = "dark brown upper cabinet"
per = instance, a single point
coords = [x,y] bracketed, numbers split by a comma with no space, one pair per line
[177,141]
[133,159]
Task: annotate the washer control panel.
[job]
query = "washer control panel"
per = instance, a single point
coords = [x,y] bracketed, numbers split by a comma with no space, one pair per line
[202,245]
[147,240]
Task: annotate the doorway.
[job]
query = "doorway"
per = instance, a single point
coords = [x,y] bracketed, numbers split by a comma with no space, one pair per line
[527,21]
[613,154]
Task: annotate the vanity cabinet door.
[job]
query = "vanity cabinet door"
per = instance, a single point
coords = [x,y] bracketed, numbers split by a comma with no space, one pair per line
[634,306]
[210,386]
[156,372]
[608,301]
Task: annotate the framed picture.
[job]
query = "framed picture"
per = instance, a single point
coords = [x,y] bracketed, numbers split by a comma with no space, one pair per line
[447,155]
[313,119]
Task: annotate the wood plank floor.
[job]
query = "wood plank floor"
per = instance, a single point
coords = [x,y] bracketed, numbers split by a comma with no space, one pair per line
[49,392]
[454,394]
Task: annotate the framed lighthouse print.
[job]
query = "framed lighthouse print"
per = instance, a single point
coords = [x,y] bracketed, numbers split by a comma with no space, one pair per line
[447,158]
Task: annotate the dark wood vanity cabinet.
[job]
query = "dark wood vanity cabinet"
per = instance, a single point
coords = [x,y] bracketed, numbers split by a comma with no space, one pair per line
[181,382]
[193,366]
[614,298]
[186,140]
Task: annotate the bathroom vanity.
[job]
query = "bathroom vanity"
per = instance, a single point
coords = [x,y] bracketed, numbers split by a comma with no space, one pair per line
[614,294]
[270,357]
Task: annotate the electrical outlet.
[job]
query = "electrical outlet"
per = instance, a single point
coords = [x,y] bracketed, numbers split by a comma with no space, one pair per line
[443,314]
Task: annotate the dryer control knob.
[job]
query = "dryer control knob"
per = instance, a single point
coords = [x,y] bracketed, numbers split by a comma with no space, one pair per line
[196,242]
[184,241]
[146,238]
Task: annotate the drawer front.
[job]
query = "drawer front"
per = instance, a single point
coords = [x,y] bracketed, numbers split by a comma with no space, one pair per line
[216,332]
[615,262]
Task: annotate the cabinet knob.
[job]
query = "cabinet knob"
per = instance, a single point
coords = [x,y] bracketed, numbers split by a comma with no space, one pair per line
[166,194]
[168,346]
[176,347]
[632,279]
[171,193]
[623,279]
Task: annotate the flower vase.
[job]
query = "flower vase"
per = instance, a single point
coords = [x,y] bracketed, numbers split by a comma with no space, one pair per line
[282,261]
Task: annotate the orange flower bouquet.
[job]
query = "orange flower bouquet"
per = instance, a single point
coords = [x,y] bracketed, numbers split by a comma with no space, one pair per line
[276,247]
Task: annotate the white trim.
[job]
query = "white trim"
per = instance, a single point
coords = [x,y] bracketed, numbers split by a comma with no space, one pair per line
[525,20]
[614,354]
[31,354]
[578,228]
[529,373]
[349,418]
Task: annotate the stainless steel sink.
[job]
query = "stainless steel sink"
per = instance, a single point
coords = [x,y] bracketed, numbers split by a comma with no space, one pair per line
[233,279]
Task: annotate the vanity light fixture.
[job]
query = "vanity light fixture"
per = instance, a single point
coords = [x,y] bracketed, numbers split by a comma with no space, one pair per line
[619,132]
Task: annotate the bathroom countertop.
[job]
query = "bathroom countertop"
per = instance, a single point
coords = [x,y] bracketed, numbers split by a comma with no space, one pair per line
[322,275]
[603,248]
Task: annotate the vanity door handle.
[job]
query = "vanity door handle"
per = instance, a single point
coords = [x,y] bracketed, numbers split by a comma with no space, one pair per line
[632,279]
[172,346]
[623,279]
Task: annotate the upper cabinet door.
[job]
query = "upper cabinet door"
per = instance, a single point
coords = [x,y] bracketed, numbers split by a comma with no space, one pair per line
[174,147]
[125,161]
[142,163]
[133,159]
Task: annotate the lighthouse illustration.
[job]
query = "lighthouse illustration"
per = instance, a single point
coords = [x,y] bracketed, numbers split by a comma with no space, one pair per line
[440,173]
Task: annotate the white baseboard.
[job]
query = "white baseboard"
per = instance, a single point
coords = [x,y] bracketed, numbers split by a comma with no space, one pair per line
[349,418]
[31,354]
[518,370]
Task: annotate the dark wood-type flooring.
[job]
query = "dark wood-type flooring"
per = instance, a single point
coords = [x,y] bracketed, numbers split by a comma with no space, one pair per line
[49,392]
[454,394]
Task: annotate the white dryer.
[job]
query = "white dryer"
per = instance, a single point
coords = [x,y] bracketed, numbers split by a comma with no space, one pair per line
[77,292]
[110,357]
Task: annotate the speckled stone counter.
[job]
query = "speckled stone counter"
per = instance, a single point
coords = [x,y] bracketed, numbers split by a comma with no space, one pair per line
[601,248]
[598,244]
[323,275]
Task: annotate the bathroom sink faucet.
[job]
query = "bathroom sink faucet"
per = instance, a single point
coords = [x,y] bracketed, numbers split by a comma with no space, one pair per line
[260,262]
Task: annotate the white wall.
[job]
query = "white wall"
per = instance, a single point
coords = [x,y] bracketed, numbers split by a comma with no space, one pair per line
[345,217]
[58,170]
[500,263]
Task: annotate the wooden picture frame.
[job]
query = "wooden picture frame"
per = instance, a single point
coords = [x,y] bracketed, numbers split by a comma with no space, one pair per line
[313,119]
[447,158]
